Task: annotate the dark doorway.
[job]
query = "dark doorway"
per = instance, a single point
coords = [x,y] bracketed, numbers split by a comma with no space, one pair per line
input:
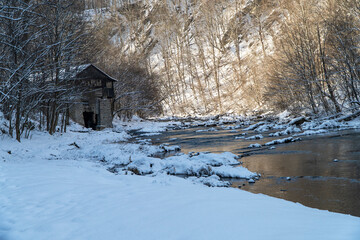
[89,120]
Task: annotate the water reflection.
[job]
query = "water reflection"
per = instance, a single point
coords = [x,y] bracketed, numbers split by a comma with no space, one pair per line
[337,195]
[316,180]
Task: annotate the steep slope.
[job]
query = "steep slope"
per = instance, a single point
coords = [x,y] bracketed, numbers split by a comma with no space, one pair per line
[222,56]
[209,55]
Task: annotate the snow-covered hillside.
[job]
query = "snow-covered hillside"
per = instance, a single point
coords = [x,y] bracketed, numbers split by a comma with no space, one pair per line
[234,56]
[209,56]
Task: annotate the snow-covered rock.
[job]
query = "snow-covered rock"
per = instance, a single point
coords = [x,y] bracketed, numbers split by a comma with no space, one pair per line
[211,181]
[199,165]
[255,137]
[283,140]
[287,131]
[254,126]
[255,145]
[264,128]
[283,116]
[172,148]
[329,124]
[297,121]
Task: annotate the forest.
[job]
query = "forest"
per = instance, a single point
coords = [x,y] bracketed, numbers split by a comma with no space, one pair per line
[179,57]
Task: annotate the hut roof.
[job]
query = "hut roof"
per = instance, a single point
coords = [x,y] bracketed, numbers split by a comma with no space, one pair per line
[90,71]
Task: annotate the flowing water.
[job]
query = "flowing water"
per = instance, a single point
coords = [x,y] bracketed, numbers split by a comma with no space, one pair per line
[316,180]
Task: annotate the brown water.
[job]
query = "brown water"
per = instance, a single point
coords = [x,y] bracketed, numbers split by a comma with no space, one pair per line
[316,180]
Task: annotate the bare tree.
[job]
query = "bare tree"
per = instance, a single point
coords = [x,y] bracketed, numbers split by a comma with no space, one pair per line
[21,58]
[39,42]
[65,36]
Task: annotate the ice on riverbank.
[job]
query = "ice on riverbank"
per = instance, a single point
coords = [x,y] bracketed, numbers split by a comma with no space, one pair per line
[203,164]
[111,150]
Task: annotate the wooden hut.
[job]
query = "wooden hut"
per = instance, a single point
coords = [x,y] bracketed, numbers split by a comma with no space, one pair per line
[94,107]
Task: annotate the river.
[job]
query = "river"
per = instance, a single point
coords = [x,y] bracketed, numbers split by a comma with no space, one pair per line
[321,171]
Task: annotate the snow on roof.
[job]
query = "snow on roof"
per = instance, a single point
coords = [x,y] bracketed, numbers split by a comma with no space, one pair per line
[83,67]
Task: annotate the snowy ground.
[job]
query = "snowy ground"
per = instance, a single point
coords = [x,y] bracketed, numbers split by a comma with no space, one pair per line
[58,187]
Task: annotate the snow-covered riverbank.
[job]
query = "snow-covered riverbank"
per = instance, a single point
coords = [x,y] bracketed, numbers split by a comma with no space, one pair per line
[78,200]
[59,187]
